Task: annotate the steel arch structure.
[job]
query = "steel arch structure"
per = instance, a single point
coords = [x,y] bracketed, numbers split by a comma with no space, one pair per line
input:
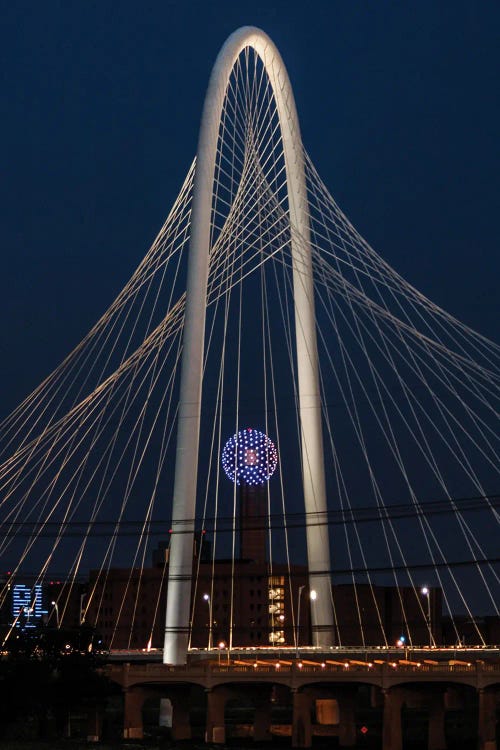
[313,472]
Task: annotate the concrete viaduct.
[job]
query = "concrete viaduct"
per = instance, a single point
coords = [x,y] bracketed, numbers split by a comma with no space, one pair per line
[329,687]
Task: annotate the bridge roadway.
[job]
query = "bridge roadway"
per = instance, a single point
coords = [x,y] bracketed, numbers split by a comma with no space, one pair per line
[434,679]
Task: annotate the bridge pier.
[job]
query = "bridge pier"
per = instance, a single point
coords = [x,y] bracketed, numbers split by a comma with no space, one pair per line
[181,725]
[132,714]
[301,726]
[94,724]
[347,724]
[392,735]
[215,729]
[262,719]
[487,720]
[436,737]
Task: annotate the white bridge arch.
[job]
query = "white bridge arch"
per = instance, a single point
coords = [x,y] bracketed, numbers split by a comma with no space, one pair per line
[183,514]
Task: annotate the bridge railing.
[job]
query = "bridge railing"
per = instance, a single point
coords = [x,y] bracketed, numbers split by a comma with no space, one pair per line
[228,668]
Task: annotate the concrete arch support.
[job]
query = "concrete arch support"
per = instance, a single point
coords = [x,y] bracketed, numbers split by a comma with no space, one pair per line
[181,545]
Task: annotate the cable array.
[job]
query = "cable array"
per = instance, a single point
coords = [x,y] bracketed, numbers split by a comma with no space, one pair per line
[409,395]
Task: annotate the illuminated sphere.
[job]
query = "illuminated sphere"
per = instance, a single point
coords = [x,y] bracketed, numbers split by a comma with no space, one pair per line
[249,457]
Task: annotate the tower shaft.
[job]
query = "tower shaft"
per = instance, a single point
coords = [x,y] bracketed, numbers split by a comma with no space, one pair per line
[184,502]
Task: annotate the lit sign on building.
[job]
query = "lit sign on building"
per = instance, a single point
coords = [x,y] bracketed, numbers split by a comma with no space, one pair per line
[27,605]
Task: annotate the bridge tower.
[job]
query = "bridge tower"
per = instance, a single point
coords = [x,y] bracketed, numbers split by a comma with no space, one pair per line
[309,407]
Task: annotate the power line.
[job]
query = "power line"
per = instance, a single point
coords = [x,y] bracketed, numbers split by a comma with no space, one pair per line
[333,572]
[296,520]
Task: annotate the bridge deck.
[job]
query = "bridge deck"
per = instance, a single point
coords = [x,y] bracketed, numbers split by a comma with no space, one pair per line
[322,668]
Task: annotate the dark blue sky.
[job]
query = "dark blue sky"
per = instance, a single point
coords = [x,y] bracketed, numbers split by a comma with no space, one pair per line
[101,102]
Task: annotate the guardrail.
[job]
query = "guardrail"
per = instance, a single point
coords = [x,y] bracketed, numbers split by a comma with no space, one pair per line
[204,668]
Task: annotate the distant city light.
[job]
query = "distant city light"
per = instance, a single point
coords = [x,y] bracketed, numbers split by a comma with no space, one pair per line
[249,457]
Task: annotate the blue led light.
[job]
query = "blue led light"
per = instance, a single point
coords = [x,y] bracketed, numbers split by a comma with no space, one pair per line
[249,457]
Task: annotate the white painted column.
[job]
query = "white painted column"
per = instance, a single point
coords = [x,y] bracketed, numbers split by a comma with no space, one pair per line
[184,504]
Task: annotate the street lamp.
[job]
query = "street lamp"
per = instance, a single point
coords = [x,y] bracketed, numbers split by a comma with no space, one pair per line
[221,646]
[82,611]
[56,607]
[401,643]
[297,631]
[313,596]
[425,591]
[206,598]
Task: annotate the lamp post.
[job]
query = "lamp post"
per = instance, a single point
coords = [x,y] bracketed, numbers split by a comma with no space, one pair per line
[401,643]
[297,631]
[206,598]
[425,591]
[313,596]
[56,607]
[82,611]
[221,646]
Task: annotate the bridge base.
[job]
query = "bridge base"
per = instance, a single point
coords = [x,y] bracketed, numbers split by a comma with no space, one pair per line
[301,728]
[487,724]
[132,714]
[392,731]
[436,735]
[215,731]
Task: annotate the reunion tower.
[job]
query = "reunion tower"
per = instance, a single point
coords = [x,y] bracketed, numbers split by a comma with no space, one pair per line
[249,459]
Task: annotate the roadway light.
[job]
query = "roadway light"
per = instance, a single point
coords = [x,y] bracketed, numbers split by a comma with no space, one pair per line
[425,591]
[56,607]
[206,598]
[82,611]
[313,596]
[297,627]
[220,647]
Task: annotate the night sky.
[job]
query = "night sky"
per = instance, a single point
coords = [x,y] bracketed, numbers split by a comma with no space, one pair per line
[399,110]
[101,103]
